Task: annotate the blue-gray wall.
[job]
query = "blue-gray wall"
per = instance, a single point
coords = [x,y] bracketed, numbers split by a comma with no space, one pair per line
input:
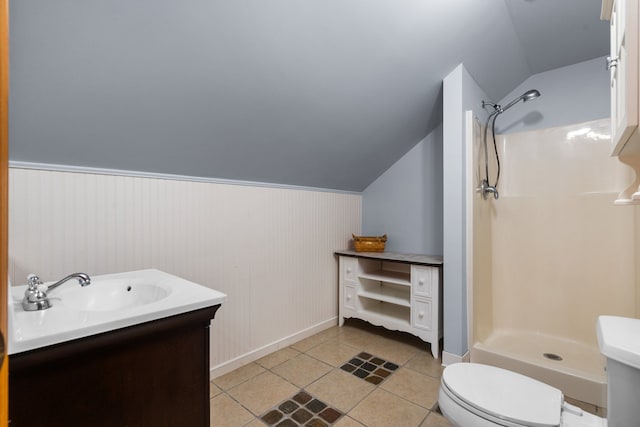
[405,202]
[461,93]
[573,94]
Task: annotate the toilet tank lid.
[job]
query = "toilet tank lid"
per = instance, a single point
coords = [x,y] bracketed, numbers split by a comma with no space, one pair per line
[504,394]
[619,339]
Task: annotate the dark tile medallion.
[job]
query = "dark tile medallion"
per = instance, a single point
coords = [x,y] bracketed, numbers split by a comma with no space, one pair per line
[370,368]
[302,410]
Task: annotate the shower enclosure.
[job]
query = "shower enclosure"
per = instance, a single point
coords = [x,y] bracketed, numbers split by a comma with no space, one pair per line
[550,254]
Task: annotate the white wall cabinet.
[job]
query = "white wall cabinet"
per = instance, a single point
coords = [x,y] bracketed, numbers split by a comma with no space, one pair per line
[623,64]
[398,292]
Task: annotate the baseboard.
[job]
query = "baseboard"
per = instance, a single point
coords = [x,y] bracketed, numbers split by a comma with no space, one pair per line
[254,355]
[450,358]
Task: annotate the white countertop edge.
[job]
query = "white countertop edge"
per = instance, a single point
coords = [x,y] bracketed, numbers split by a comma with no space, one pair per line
[147,314]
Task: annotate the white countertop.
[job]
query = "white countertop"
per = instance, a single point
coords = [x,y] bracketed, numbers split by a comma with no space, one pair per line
[30,330]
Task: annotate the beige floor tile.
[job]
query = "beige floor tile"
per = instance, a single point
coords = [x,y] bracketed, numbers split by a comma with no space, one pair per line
[262,392]
[341,390]
[413,386]
[347,422]
[391,350]
[225,412]
[333,352]
[238,376]
[383,409]
[255,423]
[331,332]
[435,420]
[424,363]
[214,390]
[314,340]
[302,370]
[277,357]
[356,337]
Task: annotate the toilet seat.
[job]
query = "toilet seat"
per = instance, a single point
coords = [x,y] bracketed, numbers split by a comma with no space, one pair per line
[502,396]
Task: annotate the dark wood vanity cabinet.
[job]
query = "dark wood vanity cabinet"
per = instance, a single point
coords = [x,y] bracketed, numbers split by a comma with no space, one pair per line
[152,374]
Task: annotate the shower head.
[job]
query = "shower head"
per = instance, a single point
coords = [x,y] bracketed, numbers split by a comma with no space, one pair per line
[527,96]
[530,94]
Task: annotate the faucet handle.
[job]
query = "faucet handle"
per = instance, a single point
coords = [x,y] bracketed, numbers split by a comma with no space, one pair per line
[33,281]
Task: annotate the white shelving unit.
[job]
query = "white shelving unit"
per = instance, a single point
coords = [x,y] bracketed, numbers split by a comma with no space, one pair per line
[396,291]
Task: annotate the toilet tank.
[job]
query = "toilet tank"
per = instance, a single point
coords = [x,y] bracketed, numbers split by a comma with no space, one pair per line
[619,341]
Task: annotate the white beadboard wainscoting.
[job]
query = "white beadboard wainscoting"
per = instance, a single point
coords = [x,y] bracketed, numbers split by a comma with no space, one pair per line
[269,249]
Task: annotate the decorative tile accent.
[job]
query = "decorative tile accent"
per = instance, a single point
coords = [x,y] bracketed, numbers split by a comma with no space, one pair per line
[302,398]
[330,415]
[272,417]
[374,380]
[316,423]
[370,368]
[302,410]
[302,416]
[288,407]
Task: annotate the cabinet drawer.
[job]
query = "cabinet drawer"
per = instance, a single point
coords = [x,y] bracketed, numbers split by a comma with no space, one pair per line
[349,296]
[421,314]
[349,269]
[423,281]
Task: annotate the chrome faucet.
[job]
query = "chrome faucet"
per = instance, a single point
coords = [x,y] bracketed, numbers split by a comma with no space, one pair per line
[485,188]
[35,297]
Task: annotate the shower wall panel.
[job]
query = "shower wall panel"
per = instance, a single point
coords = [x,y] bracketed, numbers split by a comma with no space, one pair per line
[483,211]
[562,253]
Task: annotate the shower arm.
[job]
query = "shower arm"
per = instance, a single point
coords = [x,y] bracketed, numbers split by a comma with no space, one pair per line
[524,97]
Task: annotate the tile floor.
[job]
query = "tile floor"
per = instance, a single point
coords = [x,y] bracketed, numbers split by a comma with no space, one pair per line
[357,375]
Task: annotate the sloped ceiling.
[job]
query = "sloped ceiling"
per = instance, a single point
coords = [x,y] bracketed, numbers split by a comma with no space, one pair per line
[319,93]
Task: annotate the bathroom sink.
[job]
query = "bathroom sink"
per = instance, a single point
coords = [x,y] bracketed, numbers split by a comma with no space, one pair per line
[110,302]
[108,295]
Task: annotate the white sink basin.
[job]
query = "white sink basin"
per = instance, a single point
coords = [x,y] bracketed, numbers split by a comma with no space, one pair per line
[105,295]
[110,302]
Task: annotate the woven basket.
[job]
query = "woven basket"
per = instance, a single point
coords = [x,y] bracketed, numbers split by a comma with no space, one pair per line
[369,243]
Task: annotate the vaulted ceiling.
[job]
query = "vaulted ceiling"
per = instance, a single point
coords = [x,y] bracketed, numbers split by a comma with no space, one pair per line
[319,93]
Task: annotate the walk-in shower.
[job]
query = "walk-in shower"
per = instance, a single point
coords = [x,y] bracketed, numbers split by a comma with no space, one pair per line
[551,255]
[486,187]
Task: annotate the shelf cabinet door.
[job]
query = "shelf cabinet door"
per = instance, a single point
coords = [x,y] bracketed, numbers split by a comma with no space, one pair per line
[349,295]
[421,312]
[348,269]
[424,280]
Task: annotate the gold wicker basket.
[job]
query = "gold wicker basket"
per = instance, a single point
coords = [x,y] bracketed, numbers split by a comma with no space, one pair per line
[369,243]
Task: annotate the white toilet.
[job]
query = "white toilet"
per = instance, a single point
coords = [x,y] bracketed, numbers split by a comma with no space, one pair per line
[474,395]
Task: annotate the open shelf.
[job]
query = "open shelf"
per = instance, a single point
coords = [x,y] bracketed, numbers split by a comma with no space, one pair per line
[386,312]
[388,292]
[397,277]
